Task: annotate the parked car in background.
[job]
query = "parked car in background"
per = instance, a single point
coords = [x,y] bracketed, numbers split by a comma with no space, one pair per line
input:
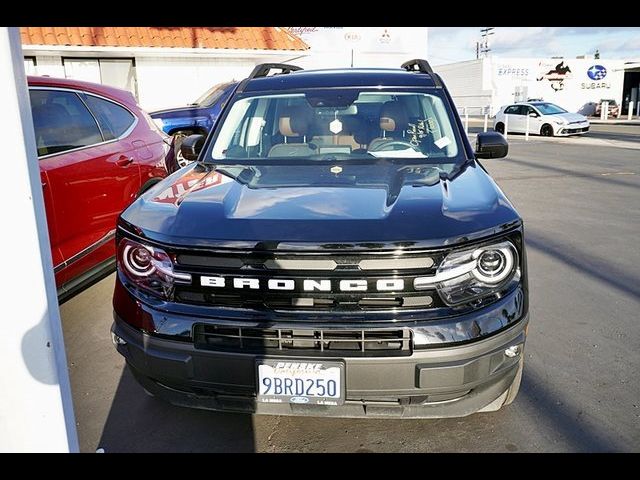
[613,108]
[547,119]
[98,151]
[195,118]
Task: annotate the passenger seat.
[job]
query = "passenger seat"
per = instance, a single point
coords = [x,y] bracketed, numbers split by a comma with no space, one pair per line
[294,122]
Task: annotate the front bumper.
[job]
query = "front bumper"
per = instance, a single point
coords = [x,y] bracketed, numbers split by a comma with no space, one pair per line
[573,129]
[451,380]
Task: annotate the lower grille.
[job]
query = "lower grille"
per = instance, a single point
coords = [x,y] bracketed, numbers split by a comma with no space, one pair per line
[343,343]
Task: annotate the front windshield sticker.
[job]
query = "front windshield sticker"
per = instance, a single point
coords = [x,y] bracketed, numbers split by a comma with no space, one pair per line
[442,142]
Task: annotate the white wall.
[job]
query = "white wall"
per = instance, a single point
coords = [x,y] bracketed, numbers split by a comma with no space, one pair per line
[50,65]
[169,82]
[467,83]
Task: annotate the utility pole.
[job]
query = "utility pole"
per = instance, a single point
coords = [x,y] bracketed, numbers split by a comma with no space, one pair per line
[484,43]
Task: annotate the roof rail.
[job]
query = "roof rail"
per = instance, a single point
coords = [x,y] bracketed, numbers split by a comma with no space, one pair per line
[263,69]
[422,67]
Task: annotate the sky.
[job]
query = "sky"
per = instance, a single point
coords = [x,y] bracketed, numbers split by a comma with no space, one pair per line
[454,44]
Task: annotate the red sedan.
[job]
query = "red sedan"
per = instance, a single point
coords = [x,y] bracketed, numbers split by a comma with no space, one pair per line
[98,151]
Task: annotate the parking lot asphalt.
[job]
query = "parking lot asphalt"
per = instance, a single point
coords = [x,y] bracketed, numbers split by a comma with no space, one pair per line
[581,385]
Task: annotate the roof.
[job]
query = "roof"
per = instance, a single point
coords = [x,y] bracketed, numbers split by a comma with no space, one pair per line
[238,38]
[349,77]
[123,96]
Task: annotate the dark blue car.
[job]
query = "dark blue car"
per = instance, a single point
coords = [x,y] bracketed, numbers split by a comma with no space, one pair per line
[195,118]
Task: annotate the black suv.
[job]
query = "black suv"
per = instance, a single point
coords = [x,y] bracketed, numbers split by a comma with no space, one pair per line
[335,249]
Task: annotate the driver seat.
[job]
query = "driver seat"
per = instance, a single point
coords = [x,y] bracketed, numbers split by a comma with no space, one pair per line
[393,123]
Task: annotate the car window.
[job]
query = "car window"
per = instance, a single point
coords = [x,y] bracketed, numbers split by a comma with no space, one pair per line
[338,123]
[114,120]
[512,110]
[550,109]
[212,95]
[61,122]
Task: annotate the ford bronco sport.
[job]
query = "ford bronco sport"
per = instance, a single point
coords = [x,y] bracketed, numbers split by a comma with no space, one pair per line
[335,249]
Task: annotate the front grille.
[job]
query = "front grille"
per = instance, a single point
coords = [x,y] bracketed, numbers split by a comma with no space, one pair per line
[309,342]
[297,268]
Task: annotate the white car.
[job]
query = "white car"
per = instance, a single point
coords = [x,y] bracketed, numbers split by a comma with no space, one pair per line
[545,118]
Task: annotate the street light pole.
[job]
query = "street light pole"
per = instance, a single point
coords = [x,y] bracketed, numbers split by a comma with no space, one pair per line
[36,411]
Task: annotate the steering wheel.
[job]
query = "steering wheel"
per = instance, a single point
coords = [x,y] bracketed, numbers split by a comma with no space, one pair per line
[384,146]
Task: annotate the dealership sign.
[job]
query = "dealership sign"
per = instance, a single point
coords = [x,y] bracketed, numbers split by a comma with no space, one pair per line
[596,73]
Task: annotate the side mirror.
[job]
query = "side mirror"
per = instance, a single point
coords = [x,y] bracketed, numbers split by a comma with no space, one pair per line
[533,114]
[491,145]
[191,146]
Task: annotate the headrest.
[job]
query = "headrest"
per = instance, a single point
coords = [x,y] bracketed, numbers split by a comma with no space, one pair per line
[294,121]
[393,117]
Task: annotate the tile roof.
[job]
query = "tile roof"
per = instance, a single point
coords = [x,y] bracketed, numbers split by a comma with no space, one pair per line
[249,38]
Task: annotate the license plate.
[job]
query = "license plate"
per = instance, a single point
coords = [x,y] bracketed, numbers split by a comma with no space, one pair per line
[286,381]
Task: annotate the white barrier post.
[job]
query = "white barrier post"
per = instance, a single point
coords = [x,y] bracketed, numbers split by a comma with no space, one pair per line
[36,411]
[638,109]
[526,133]
[630,112]
[506,125]
[605,110]
[466,121]
[486,121]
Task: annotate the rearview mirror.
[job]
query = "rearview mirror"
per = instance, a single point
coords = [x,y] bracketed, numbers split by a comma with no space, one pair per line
[191,146]
[533,114]
[491,145]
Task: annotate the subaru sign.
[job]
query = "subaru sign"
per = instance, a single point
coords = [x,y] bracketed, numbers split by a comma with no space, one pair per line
[597,72]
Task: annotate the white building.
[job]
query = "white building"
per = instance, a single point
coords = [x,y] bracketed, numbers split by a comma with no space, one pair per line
[162,66]
[334,47]
[575,84]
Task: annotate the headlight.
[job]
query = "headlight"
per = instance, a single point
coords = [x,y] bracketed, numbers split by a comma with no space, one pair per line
[149,268]
[473,273]
[159,123]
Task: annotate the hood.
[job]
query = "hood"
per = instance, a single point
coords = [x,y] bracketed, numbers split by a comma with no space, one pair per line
[571,117]
[179,112]
[199,206]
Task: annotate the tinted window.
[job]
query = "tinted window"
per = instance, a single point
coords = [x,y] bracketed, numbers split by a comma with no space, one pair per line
[340,124]
[550,109]
[61,122]
[114,120]
[513,110]
[212,95]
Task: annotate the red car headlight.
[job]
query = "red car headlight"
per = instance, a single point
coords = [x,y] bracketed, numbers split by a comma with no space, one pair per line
[149,268]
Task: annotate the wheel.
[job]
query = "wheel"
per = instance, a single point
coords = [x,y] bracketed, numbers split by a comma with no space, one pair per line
[546,130]
[499,127]
[515,386]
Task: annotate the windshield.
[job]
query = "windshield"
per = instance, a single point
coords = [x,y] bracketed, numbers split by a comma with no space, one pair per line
[549,109]
[610,102]
[212,95]
[335,124]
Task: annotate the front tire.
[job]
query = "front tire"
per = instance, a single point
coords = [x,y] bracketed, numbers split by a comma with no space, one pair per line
[546,130]
[499,128]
